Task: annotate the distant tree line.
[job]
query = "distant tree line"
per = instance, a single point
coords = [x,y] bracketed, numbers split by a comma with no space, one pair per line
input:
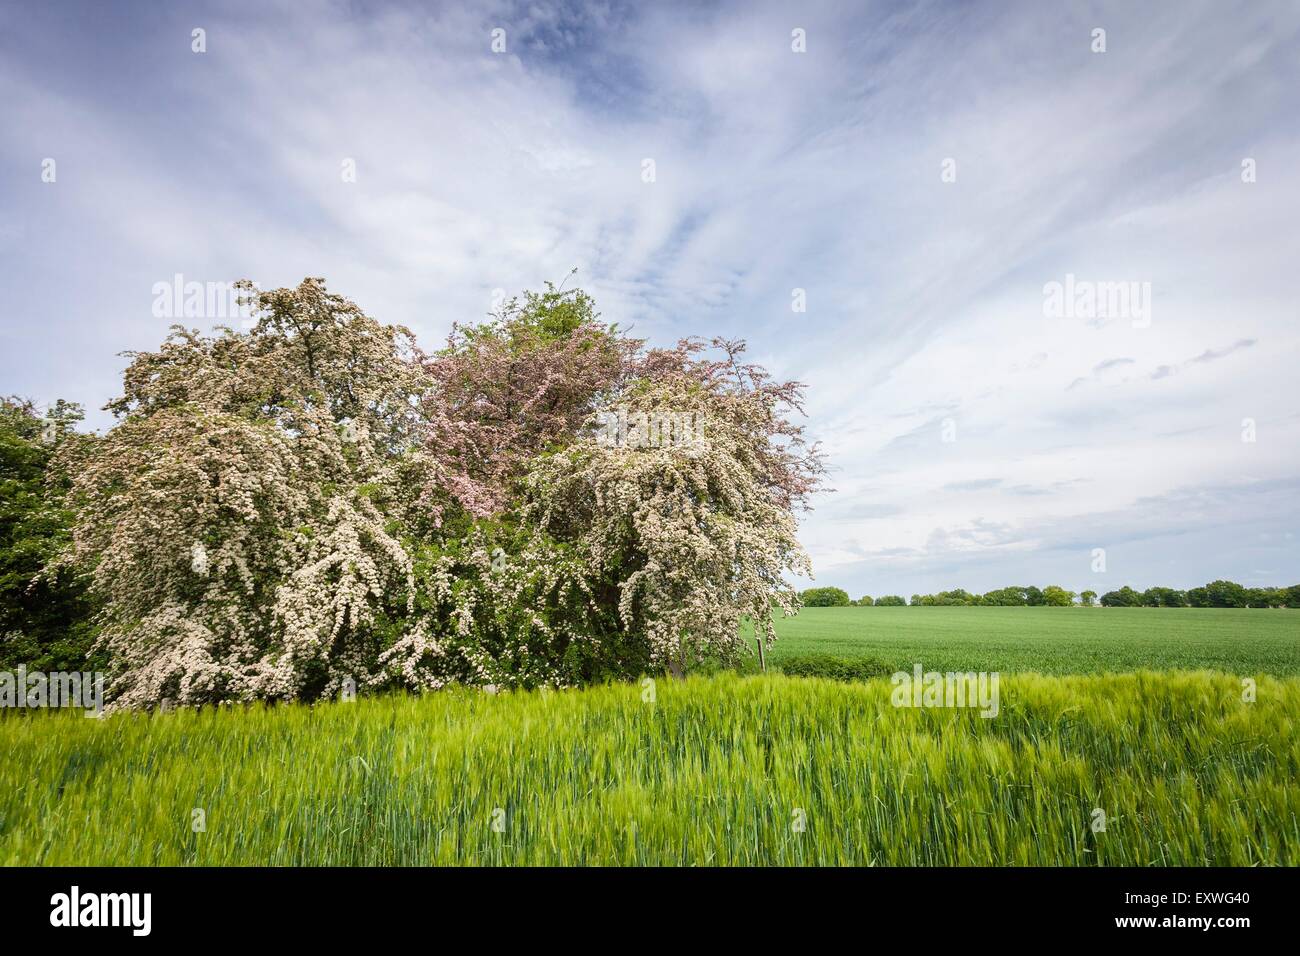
[1214,594]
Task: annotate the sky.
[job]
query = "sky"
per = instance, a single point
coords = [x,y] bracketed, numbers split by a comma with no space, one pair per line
[1040,281]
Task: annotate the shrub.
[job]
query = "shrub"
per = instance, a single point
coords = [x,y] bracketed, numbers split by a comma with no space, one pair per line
[834,668]
[825,597]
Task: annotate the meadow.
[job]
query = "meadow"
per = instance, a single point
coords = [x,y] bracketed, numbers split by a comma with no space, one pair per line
[1050,640]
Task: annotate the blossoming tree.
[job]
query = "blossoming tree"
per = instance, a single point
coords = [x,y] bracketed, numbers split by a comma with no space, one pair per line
[314,503]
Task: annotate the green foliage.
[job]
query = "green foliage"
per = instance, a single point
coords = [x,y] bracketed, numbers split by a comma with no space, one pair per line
[834,668]
[1056,596]
[1164,597]
[1226,594]
[891,600]
[46,616]
[825,597]
[956,598]
[1005,597]
[1265,597]
[865,601]
[539,318]
[1232,594]
[1124,597]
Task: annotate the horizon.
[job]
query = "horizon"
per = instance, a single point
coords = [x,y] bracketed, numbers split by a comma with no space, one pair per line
[1074,594]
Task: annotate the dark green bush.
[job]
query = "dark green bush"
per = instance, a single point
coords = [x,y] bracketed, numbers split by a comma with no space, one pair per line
[825,597]
[834,668]
[46,615]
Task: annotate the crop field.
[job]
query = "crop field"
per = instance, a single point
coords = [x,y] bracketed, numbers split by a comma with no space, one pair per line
[718,770]
[1050,640]
[727,769]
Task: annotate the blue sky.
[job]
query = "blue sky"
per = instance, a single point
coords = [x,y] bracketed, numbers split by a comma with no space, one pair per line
[921,173]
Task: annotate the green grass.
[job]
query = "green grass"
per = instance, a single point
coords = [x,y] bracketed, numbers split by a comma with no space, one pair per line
[1050,640]
[713,772]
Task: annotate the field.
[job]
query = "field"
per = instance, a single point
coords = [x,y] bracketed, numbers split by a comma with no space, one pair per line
[1051,640]
[726,769]
[719,770]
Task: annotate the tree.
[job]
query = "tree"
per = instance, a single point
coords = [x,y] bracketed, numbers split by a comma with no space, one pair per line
[1225,594]
[1005,597]
[46,615]
[890,600]
[825,597]
[955,598]
[1164,597]
[1056,596]
[1259,597]
[958,596]
[1124,597]
[865,601]
[1088,598]
[244,517]
[1033,596]
[504,391]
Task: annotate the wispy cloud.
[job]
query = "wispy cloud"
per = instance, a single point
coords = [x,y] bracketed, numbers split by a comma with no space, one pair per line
[1213,355]
[1209,355]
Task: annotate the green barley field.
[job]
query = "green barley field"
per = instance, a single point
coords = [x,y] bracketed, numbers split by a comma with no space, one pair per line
[1050,640]
[719,770]
[727,769]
